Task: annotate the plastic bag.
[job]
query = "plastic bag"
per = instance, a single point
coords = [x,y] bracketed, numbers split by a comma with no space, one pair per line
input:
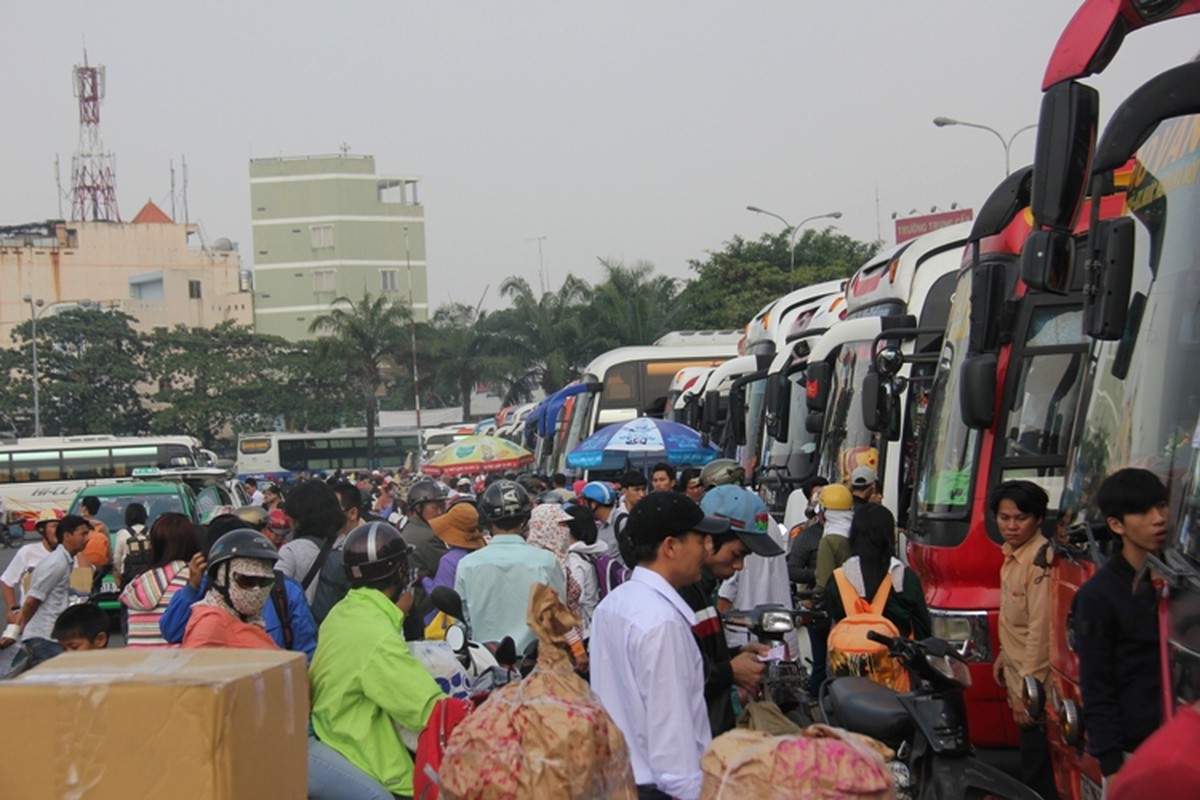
[546,736]
[819,763]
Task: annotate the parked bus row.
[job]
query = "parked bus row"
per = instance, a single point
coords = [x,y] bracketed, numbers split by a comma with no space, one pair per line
[1054,339]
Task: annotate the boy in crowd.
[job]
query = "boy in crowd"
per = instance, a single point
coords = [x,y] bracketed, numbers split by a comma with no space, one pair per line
[81,627]
[1116,619]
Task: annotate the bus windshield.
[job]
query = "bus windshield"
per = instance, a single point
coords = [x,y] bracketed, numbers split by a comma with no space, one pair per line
[847,443]
[949,450]
[756,407]
[798,454]
[576,425]
[1143,406]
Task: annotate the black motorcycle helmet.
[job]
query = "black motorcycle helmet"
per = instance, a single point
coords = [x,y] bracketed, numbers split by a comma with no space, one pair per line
[425,491]
[506,505]
[373,554]
[238,543]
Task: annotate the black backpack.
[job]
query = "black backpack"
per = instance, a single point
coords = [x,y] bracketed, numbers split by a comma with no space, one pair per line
[138,559]
[332,585]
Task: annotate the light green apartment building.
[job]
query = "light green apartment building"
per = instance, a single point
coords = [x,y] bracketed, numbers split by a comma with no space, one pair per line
[327,227]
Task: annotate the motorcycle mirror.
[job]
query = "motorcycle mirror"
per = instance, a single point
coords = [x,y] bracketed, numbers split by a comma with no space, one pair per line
[447,601]
[456,637]
[506,651]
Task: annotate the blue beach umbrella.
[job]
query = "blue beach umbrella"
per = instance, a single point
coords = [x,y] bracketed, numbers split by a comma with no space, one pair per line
[640,443]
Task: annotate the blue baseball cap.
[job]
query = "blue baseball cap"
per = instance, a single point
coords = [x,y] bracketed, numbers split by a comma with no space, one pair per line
[747,514]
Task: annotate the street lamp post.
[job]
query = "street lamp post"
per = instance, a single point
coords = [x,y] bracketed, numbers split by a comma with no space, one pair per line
[795,229]
[33,318]
[943,122]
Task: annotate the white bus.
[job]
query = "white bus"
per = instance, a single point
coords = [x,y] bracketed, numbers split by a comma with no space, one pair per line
[630,382]
[282,456]
[45,473]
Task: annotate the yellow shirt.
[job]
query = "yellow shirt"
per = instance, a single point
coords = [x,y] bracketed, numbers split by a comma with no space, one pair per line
[1024,617]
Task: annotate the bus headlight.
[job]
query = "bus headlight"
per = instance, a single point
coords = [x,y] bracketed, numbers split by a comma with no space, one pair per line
[966,631]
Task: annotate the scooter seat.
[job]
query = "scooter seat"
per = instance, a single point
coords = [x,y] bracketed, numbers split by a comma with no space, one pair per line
[863,706]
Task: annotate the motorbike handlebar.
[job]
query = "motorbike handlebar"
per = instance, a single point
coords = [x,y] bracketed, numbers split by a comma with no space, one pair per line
[876,636]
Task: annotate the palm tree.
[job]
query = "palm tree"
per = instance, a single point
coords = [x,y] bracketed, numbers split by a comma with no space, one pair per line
[365,336]
[633,306]
[464,353]
[546,334]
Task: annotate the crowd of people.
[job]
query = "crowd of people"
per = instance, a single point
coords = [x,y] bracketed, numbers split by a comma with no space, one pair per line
[343,570]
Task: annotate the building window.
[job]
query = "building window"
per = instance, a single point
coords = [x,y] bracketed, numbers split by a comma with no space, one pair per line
[194,290]
[389,280]
[321,236]
[323,281]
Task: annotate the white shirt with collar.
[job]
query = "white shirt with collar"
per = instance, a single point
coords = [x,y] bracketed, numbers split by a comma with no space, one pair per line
[647,671]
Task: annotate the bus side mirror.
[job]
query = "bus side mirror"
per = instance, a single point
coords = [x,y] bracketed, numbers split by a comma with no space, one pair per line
[875,402]
[1066,143]
[815,422]
[779,399]
[977,390]
[711,416]
[1046,261]
[816,385]
[736,420]
[1106,297]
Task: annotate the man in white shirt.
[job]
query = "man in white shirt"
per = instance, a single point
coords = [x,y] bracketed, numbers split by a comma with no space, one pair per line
[48,594]
[645,665]
[256,495]
[28,557]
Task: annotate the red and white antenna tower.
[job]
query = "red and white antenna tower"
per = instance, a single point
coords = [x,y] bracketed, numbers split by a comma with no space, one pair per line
[94,179]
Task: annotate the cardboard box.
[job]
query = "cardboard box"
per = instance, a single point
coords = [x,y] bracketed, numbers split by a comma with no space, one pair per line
[212,724]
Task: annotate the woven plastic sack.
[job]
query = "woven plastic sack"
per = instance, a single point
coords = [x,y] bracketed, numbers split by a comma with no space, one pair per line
[544,737]
[819,763]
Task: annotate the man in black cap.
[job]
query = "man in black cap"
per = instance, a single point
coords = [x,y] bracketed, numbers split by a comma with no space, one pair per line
[646,667]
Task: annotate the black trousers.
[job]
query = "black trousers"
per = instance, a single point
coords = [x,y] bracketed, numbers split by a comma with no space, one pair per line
[651,793]
[1036,770]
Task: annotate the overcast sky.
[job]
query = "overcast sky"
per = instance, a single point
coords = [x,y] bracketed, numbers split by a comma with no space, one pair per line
[626,130]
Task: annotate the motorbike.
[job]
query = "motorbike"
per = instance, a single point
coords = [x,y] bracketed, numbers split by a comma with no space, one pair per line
[13,535]
[489,665]
[927,727]
[785,681]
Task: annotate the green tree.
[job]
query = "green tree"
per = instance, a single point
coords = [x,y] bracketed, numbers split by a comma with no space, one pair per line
[632,306]
[207,378]
[90,364]
[16,392]
[546,335]
[365,338]
[464,354]
[733,285]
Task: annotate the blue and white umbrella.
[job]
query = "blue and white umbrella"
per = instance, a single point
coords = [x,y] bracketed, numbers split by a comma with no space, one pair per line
[641,442]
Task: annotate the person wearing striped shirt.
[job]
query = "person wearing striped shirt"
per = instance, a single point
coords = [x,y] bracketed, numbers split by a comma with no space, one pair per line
[173,544]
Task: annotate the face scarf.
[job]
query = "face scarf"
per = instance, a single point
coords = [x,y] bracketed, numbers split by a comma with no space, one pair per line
[245,603]
[547,531]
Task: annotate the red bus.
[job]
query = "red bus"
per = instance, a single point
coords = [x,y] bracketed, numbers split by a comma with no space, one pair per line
[1142,404]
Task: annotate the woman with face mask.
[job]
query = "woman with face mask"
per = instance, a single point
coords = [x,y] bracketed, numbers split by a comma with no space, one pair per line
[240,576]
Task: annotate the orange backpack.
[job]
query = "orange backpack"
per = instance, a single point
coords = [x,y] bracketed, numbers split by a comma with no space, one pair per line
[851,652]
